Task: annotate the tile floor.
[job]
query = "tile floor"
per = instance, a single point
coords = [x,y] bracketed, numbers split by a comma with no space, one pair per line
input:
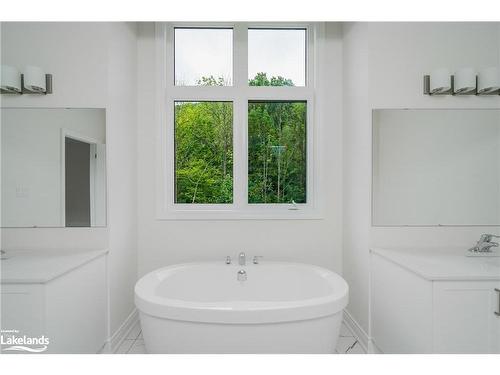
[134,343]
[347,343]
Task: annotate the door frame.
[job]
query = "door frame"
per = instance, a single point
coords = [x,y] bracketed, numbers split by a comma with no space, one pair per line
[67,133]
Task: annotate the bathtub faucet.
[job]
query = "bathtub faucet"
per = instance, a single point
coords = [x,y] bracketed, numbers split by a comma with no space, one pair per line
[241,275]
[242,259]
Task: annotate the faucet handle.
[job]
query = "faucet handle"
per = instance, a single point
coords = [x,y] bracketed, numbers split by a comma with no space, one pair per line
[255,259]
[486,247]
[487,237]
[228,260]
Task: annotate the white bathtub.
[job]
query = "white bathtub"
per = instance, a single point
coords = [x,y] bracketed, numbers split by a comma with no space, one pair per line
[203,308]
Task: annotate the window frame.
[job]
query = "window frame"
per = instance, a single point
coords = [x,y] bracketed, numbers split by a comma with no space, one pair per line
[240,94]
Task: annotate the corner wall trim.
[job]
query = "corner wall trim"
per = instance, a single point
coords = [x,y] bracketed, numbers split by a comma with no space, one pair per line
[357,331]
[114,342]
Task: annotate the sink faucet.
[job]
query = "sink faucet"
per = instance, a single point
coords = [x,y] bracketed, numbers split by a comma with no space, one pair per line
[484,244]
[242,259]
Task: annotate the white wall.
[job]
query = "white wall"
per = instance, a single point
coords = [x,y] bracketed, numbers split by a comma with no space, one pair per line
[121,155]
[94,66]
[167,242]
[384,64]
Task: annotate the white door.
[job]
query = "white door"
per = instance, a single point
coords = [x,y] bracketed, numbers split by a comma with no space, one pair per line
[465,319]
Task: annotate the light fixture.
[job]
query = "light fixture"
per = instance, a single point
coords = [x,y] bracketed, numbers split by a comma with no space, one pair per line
[488,81]
[10,80]
[441,82]
[34,80]
[465,82]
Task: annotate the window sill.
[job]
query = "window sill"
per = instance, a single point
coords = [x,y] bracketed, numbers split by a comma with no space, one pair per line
[224,215]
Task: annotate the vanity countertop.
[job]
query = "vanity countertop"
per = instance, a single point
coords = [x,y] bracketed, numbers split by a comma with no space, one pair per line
[42,266]
[443,264]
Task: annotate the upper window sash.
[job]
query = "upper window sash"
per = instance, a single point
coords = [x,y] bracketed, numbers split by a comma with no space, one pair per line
[193,57]
[166,31]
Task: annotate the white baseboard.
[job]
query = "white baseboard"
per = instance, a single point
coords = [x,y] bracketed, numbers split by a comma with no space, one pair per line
[358,332]
[114,342]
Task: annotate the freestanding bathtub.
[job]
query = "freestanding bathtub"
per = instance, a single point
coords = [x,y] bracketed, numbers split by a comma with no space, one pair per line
[204,308]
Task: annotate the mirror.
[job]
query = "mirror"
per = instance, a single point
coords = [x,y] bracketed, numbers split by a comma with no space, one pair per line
[53,167]
[435,167]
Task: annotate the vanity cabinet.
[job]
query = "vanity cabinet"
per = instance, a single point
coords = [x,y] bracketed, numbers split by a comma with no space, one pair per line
[62,296]
[434,303]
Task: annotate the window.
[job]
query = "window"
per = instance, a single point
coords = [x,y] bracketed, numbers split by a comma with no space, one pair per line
[203,152]
[280,54]
[201,54]
[277,152]
[236,121]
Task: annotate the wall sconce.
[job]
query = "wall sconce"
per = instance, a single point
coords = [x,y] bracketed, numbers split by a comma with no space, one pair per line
[440,82]
[32,81]
[10,80]
[488,82]
[464,82]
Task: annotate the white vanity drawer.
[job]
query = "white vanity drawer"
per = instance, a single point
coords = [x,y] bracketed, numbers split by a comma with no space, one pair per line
[464,317]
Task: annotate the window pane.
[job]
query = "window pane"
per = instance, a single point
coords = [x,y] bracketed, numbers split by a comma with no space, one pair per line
[203,152]
[203,57]
[277,57]
[277,163]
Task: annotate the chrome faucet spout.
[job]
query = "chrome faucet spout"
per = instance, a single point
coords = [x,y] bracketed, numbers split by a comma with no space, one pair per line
[242,259]
[241,275]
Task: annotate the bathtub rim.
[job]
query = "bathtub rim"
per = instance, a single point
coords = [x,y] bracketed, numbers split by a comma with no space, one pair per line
[242,312]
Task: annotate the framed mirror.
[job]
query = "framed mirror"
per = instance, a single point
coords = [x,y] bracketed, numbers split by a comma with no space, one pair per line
[53,167]
[436,167]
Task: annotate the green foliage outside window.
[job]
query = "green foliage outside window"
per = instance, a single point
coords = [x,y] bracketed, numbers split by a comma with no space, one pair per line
[204,152]
[276,149]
